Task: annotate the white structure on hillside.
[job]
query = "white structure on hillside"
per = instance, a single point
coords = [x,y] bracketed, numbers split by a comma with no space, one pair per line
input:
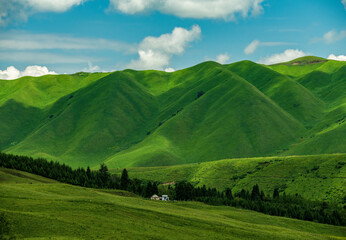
[155,197]
[165,198]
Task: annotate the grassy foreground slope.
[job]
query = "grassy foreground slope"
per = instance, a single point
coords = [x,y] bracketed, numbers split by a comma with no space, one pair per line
[320,177]
[152,118]
[54,210]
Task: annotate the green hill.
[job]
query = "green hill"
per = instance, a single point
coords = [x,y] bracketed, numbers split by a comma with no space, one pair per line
[232,119]
[43,91]
[152,118]
[288,94]
[39,208]
[319,177]
[304,65]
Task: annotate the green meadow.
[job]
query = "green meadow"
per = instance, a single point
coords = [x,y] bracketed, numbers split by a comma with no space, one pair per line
[39,208]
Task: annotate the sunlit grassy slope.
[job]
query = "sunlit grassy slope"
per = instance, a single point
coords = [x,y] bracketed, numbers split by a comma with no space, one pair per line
[39,208]
[320,177]
[151,118]
[305,65]
[42,91]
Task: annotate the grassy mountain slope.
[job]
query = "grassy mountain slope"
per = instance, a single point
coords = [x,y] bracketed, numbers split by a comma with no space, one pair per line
[288,94]
[45,90]
[319,177]
[151,118]
[94,121]
[17,122]
[327,136]
[60,211]
[25,103]
[329,87]
[232,119]
[304,65]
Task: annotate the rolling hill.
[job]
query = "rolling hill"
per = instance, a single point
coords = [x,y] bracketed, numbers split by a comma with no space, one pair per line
[204,113]
[40,208]
[315,177]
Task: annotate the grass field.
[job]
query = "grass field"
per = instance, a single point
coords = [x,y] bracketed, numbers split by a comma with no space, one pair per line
[320,177]
[39,208]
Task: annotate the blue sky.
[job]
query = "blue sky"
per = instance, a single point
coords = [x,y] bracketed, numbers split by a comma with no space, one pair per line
[102,35]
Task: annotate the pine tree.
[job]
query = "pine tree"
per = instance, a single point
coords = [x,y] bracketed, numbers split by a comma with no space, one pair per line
[229,193]
[88,173]
[149,190]
[104,175]
[276,193]
[155,189]
[204,191]
[124,181]
[255,194]
[242,193]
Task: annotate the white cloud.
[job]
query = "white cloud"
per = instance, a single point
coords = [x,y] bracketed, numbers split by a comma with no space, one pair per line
[215,9]
[92,68]
[252,47]
[27,41]
[13,73]
[45,58]
[337,58]
[222,58]
[344,2]
[95,68]
[27,47]
[52,5]
[10,73]
[11,10]
[169,70]
[286,56]
[334,36]
[149,59]
[20,10]
[156,52]
[132,6]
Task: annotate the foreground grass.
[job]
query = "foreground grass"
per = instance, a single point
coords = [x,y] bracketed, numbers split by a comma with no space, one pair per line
[40,210]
